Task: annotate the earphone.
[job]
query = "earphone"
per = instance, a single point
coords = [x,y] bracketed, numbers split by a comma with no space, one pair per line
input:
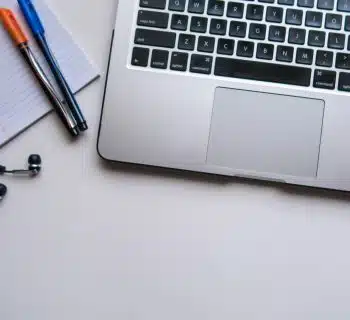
[34,168]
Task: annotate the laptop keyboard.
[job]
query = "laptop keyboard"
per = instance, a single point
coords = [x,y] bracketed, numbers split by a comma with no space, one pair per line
[297,42]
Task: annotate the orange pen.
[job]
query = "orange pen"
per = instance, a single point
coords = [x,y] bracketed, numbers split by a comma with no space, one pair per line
[12,26]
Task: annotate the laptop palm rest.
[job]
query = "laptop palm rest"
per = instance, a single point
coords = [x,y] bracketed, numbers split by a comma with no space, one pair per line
[265,133]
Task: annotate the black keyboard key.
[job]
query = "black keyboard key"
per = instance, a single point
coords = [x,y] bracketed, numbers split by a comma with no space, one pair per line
[336,41]
[267,1]
[179,22]
[342,61]
[196,6]
[343,5]
[257,31]
[245,49]
[140,57]
[333,21]
[274,14]
[153,19]
[155,38]
[306,3]
[199,24]
[316,38]
[159,59]
[225,46]
[324,58]
[206,44]
[201,64]
[344,81]
[324,79]
[235,10]
[255,12]
[179,61]
[286,2]
[296,36]
[238,29]
[325,4]
[177,5]
[186,41]
[348,43]
[264,51]
[216,7]
[277,33]
[347,23]
[294,16]
[261,71]
[284,53]
[313,19]
[154,4]
[304,56]
[218,26]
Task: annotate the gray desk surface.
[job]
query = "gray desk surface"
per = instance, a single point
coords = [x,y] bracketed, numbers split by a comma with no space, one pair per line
[86,241]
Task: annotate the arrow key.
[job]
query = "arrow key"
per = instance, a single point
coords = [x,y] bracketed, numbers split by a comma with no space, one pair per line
[140,57]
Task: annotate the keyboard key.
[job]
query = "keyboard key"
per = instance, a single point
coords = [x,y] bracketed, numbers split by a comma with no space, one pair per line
[306,3]
[296,36]
[333,21]
[257,31]
[316,38]
[267,1]
[325,4]
[277,33]
[274,14]
[179,22]
[285,53]
[225,46]
[201,64]
[153,19]
[196,6]
[261,71]
[336,41]
[286,2]
[159,59]
[218,26]
[344,81]
[199,24]
[140,57]
[177,5]
[206,44]
[343,5]
[347,23]
[313,19]
[294,16]
[154,4]
[342,61]
[245,49]
[179,61]
[186,41]
[255,12]
[348,43]
[235,10]
[264,51]
[324,79]
[324,58]
[155,38]
[216,7]
[238,29]
[304,56]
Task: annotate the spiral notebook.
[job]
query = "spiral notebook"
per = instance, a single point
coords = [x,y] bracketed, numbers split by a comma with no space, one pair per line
[22,101]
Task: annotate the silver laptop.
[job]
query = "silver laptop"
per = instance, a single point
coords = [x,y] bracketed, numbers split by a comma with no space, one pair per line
[257,89]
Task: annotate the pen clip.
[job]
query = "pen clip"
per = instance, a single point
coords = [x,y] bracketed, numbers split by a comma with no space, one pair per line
[12,26]
[32,17]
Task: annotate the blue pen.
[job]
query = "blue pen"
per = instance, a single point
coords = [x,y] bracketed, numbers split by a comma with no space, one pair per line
[38,31]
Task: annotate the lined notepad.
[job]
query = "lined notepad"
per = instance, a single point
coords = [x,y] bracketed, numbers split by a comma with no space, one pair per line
[22,101]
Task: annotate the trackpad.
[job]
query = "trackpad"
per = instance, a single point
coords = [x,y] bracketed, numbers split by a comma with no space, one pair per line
[265,133]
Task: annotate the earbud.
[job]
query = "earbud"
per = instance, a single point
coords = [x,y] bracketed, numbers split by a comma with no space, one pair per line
[34,167]
[3,191]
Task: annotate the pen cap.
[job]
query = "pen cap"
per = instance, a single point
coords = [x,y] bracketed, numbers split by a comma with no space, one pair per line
[12,26]
[31,17]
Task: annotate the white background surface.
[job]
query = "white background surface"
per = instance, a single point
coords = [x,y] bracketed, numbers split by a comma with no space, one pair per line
[91,241]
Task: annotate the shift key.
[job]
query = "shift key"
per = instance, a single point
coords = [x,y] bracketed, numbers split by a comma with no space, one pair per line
[155,38]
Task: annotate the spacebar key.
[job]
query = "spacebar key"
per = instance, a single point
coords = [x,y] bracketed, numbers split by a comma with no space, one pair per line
[155,38]
[262,71]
